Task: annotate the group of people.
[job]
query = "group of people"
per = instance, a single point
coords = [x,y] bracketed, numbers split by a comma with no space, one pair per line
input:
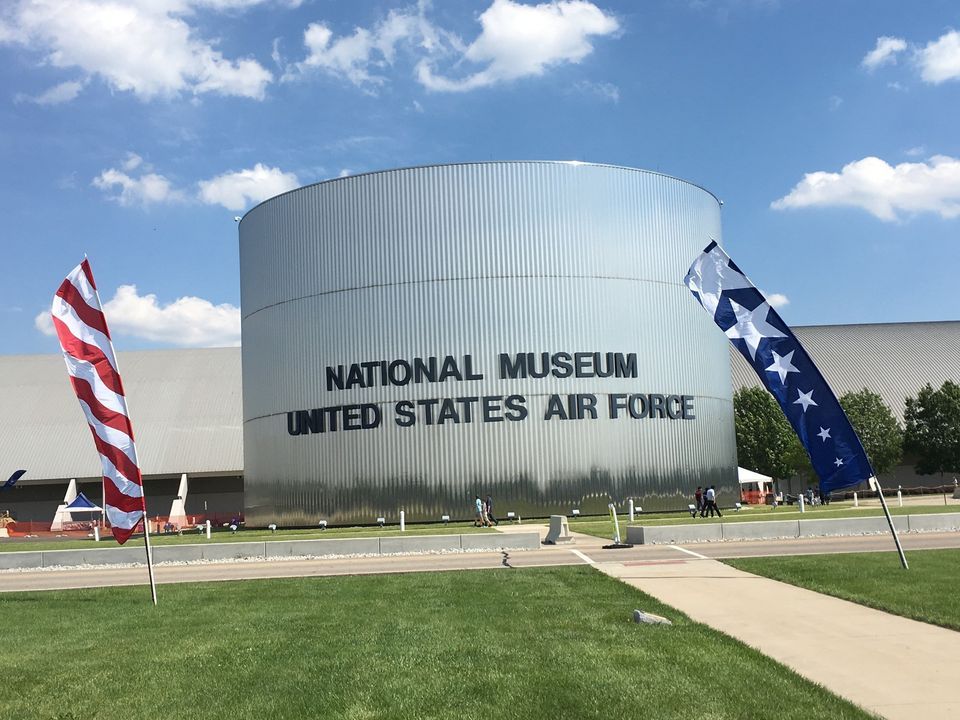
[706,501]
[484,512]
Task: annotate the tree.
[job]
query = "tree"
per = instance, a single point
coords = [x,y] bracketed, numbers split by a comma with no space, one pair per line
[879,431]
[933,429]
[765,441]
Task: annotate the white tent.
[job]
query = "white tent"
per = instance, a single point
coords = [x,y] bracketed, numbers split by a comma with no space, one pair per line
[749,476]
[73,502]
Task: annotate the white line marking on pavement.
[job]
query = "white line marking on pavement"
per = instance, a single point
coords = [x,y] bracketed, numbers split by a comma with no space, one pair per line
[690,552]
[583,557]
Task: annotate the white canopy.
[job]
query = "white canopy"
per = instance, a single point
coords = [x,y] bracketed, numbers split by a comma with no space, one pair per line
[749,476]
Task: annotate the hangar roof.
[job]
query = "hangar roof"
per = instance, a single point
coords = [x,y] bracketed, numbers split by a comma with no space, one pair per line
[893,360]
[187,407]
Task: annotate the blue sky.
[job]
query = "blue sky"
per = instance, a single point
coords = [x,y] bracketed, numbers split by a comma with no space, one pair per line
[135,131]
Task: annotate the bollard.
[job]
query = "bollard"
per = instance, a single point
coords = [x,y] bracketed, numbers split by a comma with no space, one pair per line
[631,509]
[96,533]
[208,529]
[403,523]
[899,496]
[800,497]
[856,503]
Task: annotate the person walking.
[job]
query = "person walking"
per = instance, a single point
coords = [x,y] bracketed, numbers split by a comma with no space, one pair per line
[698,499]
[489,510]
[710,502]
[478,520]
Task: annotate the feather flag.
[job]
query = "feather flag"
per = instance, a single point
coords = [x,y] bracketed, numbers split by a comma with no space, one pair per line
[784,367]
[92,366]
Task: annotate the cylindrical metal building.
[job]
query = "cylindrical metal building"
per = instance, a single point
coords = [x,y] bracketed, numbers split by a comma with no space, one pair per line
[413,338]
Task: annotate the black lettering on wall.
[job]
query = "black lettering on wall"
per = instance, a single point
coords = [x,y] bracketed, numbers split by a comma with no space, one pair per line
[513,369]
[626,367]
[555,408]
[405,413]
[516,407]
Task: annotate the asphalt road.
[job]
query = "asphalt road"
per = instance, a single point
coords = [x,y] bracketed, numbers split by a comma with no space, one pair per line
[586,550]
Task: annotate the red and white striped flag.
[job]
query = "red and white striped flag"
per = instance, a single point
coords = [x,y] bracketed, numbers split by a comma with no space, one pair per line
[92,366]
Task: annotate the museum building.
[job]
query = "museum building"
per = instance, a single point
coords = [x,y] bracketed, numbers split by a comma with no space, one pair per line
[413,338]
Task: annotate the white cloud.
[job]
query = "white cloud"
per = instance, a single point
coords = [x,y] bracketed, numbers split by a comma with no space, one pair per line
[883,190]
[603,90]
[519,41]
[359,56]
[939,61]
[143,47]
[835,102]
[776,300]
[132,161]
[44,323]
[148,189]
[185,322]
[344,172]
[238,190]
[918,151]
[58,94]
[885,52]
[515,41]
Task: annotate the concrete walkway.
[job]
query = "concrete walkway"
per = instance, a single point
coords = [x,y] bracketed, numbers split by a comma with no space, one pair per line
[895,667]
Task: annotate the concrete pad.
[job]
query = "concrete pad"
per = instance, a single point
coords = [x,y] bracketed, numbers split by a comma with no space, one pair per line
[935,522]
[419,543]
[850,649]
[12,560]
[319,548]
[232,550]
[674,534]
[850,526]
[761,530]
[500,541]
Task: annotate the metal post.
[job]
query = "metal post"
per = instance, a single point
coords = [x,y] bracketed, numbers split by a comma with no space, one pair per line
[900,495]
[856,503]
[403,524]
[146,541]
[208,529]
[631,509]
[896,538]
[800,497]
[616,524]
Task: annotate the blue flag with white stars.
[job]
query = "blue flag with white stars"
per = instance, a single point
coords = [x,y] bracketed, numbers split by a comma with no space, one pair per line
[784,367]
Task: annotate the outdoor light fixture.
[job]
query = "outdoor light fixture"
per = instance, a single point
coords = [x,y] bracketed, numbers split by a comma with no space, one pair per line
[575,512]
[445,518]
[737,506]
[511,516]
[272,527]
[381,521]
[233,529]
[323,524]
[693,510]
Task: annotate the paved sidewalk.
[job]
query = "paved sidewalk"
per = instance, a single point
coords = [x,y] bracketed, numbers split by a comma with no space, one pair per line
[898,668]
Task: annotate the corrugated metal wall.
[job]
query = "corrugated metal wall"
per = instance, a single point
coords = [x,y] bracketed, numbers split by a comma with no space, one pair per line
[478,260]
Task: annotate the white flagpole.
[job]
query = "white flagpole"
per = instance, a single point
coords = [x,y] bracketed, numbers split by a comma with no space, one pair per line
[893,530]
[136,460]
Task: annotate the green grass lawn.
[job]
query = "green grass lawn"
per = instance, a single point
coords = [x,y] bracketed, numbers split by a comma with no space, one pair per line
[221,535]
[603,527]
[926,592]
[527,644]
